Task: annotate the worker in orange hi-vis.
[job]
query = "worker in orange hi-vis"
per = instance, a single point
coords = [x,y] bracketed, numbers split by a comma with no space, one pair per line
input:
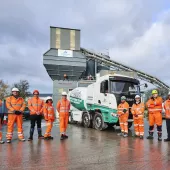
[63,107]
[49,116]
[138,114]
[167,116]
[1,141]
[123,114]
[154,105]
[35,105]
[16,106]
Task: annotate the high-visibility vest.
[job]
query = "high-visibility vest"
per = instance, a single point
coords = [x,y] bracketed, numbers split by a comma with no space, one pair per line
[49,113]
[167,109]
[63,106]
[15,104]
[154,106]
[138,109]
[123,106]
[35,105]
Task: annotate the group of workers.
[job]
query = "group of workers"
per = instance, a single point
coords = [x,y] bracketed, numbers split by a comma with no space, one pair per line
[154,105]
[16,106]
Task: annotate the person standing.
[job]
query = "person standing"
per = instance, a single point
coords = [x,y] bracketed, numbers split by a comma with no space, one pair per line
[138,114]
[1,141]
[167,116]
[49,116]
[154,105]
[63,107]
[35,105]
[123,114]
[16,106]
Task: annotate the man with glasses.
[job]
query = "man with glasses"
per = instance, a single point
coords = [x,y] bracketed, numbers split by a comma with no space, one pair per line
[35,105]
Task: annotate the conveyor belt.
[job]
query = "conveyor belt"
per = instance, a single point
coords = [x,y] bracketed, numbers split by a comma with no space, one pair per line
[113,64]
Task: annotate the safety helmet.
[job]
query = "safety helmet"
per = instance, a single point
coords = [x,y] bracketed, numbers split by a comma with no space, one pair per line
[64,93]
[15,89]
[137,96]
[35,91]
[169,93]
[154,92]
[49,98]
[123,98]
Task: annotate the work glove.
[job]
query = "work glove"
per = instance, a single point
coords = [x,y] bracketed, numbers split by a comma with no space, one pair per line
[124,110]
[18,112]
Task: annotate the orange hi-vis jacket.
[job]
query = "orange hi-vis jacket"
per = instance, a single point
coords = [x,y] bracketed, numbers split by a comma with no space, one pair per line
[35,105]
[0,103]
[15,104]
[138,109]
[49,113]
[121,107]
[167,109]
[154,106]
[63,107]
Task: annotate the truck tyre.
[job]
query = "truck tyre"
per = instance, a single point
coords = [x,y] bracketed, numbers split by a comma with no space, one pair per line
[98,122]
[86,120]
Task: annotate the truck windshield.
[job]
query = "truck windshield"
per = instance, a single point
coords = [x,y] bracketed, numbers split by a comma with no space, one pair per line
[119,87]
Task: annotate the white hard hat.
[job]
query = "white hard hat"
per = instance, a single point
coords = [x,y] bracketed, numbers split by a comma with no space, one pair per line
[64,93]
[137,96]
[169,93]
[49,98]
[15,89]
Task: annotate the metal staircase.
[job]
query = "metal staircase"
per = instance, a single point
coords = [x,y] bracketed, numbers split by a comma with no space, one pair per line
[118,66]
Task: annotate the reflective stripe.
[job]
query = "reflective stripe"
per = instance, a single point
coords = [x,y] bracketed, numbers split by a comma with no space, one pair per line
[9,133]
[135,124]
[122,108]
[154,109]
[35,104]
[125,124]
[16,104]
[141,125]
[121,123]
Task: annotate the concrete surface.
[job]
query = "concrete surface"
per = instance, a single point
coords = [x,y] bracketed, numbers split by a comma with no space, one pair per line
[85,149]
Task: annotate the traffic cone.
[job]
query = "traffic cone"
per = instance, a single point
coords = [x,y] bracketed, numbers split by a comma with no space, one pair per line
[5,119]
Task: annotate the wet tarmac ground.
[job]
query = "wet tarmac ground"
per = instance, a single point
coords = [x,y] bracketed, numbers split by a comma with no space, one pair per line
[85,149]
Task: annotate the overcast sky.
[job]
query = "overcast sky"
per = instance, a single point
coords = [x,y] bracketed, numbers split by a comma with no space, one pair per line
[136,32]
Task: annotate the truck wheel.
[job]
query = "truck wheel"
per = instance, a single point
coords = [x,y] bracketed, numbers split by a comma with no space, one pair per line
[86,120]
[130,124]
[98,122]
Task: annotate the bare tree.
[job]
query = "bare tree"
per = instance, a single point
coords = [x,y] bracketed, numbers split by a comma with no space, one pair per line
[23,87]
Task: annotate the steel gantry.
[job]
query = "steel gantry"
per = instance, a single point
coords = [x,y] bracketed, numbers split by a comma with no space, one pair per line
[116,65]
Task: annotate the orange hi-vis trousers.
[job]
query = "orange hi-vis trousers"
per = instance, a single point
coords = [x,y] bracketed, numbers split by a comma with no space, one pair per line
[12,118]
[123,123]
[63,117]
[49,128]
[139,125]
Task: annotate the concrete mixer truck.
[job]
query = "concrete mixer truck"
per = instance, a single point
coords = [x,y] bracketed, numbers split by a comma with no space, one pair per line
[96,105]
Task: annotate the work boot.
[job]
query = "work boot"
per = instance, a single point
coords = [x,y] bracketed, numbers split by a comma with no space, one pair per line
[120,134]
[46,138]
[159,136]
[141,137]
[150,135]
[8,141]
[65,136]
[22,140]
[50,137]
[31,134]
[62,137]
[2,142]
[167,140]
[125,135]
[40,136]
